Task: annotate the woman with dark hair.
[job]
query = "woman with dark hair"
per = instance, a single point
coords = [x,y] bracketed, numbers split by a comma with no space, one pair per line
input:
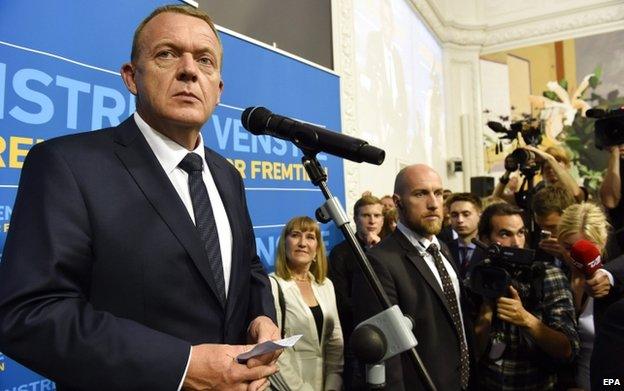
[305,303]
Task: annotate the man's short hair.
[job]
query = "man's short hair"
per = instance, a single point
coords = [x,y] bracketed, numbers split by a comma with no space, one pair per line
[497,209]
[466,197]
[552,199]
[178,9]
[365,201]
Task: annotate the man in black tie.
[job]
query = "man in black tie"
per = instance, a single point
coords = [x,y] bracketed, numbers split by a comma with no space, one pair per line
[131,261]
[418,273]
[465,210]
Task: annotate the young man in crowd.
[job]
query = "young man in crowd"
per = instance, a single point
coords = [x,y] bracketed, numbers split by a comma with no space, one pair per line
[524,335]
[548,206]
[465,210]
[368,216]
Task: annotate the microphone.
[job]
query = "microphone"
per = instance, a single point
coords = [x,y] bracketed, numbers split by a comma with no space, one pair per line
[586,257]
[497,127]
[259,121]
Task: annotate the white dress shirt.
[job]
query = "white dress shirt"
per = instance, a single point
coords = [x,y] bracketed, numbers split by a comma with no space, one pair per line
[421,243]
[169,155]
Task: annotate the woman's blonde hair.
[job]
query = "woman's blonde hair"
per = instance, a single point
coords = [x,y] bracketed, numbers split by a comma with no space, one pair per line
[318,268]
[585,218]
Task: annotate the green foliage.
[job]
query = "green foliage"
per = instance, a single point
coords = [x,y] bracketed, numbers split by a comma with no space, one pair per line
[551,95]
[579,137]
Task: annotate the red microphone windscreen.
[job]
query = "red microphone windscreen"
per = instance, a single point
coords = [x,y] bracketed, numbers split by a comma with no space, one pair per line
[586,257]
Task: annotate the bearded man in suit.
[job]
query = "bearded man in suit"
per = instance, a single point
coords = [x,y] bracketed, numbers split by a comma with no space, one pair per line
[418,273]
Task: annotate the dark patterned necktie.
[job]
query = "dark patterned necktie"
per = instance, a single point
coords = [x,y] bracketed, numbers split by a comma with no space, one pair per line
[463,255]
[204,218]
[451,299]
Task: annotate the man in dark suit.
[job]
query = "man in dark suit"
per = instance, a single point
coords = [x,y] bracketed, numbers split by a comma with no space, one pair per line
[465,210]
[607,367]
[130,263]
[368,216]
[418,273]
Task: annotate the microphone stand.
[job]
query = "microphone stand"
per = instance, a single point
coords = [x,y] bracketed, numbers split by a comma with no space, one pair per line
[332,210]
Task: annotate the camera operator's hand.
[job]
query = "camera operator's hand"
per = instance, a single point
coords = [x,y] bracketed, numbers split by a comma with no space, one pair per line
[555,343]
[542,156]
[552,247]
[598,285]
[510,309]
[610,189]
[554,172]
[616,150]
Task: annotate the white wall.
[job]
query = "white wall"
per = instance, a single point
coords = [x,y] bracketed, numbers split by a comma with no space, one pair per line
[464,29]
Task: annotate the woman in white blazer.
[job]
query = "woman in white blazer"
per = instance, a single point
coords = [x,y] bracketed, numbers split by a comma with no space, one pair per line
[309,308]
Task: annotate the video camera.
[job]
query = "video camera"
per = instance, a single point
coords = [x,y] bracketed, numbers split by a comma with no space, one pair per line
[609,127]
[503,266]
[520,158]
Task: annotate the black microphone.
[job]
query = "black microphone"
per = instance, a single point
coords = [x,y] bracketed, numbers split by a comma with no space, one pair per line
[497,127]
[259,121]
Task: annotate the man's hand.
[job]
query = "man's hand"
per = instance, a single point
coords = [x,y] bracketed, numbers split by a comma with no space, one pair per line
[371,238]
[552,247]
[260,330]
[510,310]
[598,285]
[214,367]
[541,155]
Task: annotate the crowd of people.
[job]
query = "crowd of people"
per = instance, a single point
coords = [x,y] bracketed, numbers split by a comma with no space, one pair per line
[544,331]
[170,298]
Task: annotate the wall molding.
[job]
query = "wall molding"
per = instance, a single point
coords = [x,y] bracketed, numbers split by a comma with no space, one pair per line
[344,60]
[574,23]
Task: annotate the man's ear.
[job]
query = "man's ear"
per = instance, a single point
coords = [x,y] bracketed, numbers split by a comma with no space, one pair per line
[220,92]
[127,74]
[397,201]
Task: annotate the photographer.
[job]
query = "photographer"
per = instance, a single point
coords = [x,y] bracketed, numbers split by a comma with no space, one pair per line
[555,164]
[548,206]
[525,334]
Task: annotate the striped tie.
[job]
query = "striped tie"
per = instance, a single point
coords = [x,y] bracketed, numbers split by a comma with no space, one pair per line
[204,219]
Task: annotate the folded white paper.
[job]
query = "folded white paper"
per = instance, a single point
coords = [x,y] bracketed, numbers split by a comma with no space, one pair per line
[268,347]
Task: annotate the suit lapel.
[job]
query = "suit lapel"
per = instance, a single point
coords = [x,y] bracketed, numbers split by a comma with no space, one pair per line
[449,257]
[417,260]
[136,155]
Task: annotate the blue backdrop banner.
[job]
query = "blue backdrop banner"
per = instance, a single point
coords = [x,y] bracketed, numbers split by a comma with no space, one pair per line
[59,74]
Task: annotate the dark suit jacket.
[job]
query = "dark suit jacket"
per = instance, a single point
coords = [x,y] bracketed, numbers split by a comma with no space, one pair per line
[606,359]
[104,282]
[616,267]
[409,282]
[477,255]
[342,265]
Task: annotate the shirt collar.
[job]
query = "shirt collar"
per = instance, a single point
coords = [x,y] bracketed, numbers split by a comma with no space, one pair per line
[468,246]
[420,242]
[168,152]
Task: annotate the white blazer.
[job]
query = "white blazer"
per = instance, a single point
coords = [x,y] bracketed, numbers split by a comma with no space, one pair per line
[308,365]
